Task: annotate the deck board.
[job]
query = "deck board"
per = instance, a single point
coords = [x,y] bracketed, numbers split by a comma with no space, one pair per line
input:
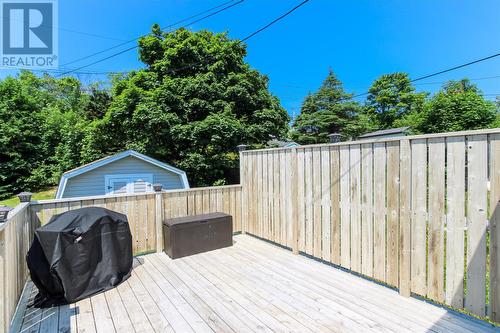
[252,286]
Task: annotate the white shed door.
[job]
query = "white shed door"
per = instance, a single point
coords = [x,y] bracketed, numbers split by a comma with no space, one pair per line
[120,184]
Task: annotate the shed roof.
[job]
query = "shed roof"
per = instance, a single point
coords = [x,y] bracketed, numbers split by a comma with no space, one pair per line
[109,159]
[391,131]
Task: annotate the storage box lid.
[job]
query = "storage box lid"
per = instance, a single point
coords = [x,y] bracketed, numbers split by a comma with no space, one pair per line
[194,219]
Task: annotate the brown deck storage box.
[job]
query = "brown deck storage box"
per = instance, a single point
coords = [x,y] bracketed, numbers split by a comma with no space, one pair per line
[189,235]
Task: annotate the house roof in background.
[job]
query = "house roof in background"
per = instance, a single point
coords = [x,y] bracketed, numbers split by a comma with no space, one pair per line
[110,159]
[391,131]
[281,144]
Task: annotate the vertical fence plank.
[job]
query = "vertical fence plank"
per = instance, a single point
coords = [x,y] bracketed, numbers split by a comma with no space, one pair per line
[355,205]
[276,199]
[308,189]
[325,204]
[317,196]
[495,227]
[476,224]
[293,202]
[455,221]
[435,279]
[405,219]
[367,209]
[379,211]
[419,216]
[301,215]
[393,213]
[335,204]
[345,226]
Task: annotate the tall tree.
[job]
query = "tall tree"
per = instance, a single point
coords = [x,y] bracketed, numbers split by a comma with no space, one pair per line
[195,101]
[458,106]
[392,97]
[329,110]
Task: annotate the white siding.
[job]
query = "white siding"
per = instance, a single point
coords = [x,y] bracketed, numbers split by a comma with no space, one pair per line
[91,183]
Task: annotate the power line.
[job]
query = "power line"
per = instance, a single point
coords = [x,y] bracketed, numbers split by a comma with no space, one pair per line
[244,39]
[137,38]
[445,70]
[136,46]
[275,20]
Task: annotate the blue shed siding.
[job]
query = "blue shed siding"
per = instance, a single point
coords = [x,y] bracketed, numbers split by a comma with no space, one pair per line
[91,183]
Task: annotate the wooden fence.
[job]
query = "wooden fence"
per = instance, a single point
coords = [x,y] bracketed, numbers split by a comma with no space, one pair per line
[145,212]
[412,212]
[15,238]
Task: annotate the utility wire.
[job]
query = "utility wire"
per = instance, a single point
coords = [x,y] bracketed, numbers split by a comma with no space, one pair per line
[444,71]
[137,38]
[170,71]
[136,46]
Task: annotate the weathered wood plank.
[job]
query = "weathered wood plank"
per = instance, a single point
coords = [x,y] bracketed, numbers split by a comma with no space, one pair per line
[392,213]
[326,200]
[419,217]
[335,204]
[455,221]
[405,219]
[495,227]
[379,211]
[345,227]
[308,189]
[435,278]
[367,209]
[476,223]
[317,199]
[355,205]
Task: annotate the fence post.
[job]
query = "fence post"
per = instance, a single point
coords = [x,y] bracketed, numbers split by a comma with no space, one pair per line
[405,218]
[495,228]
[159,221]
[294,203]
[244,190]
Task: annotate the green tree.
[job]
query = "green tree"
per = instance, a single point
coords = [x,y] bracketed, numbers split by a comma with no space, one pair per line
[391,98]
[195,101]
[39,118]
[458,106]
[329,110]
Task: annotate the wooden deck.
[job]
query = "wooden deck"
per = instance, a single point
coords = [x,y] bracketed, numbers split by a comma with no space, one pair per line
[250,287]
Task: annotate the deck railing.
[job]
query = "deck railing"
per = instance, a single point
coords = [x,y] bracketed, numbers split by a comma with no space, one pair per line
[145,213]
[15,238]
[411,212]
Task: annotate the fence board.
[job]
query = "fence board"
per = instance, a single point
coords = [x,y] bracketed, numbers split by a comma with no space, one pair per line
[495,227]
[345,227]
[435,279]
[455,221]
[419,216]
[393,213]
[379,211]
[325,204]
[367,209]
[476,224]
[355,205]
[317,194]
[308,189]
[335,198]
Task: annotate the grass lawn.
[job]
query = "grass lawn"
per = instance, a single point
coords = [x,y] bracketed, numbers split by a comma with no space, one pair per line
[13,201]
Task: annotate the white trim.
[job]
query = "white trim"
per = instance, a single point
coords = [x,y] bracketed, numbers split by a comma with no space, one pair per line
[110,159]
[148,177]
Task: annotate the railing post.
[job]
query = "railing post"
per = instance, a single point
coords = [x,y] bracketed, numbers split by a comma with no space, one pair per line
[404,217]
[159,220]
[294,203]
[4,320]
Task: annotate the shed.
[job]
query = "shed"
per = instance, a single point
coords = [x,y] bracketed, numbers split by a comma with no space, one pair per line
[125,172]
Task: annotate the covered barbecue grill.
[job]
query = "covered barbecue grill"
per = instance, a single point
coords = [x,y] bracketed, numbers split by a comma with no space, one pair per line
[79,253]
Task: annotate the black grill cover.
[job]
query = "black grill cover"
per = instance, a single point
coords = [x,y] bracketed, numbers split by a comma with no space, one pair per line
[79,253]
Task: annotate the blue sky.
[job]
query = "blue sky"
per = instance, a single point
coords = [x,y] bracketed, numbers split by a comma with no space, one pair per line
[359,40]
